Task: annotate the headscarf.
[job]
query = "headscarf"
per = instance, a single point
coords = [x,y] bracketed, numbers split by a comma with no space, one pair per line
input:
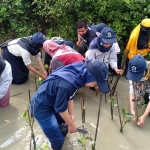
[30,46]
[52,47]
[98,43]
[139,41]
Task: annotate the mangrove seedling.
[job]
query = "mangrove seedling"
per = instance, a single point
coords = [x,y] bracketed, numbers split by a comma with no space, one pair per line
[82,141]
[30,120]
[46,67]
[124,120]
[39,80]
[112,105]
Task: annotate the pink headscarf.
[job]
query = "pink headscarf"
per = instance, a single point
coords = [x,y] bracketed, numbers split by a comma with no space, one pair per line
[51,47]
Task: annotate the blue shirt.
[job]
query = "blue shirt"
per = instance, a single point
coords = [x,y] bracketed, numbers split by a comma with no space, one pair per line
[59,87]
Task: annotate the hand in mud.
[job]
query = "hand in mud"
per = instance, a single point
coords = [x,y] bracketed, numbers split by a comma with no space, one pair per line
[141,121]
[72,128]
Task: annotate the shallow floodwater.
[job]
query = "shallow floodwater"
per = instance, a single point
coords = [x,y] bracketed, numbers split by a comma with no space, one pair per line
[15,135]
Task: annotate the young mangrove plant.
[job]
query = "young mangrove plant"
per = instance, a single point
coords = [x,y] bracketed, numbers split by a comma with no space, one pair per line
[86,142]
[112,105]
[125,119]
[30,121]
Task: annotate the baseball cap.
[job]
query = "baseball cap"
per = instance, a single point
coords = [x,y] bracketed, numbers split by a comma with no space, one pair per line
[99,27]
[108,35]
[38,38]
[68,43]
[136,68]
[99,71]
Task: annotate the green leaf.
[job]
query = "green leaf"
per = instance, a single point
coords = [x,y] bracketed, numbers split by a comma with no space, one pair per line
[123,111]
[25,115]
[115,105]
[129,115]
[127,121]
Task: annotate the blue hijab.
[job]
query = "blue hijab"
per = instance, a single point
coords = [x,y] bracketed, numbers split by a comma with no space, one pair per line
[98,43]
[30,46]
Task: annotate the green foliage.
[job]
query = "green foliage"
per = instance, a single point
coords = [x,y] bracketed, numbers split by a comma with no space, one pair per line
[39,81]
[58,18]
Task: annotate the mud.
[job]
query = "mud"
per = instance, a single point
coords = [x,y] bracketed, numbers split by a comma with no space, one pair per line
[15,135]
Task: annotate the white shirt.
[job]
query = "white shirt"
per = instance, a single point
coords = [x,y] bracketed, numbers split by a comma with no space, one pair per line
[5,79]
[17,50]
[109,57]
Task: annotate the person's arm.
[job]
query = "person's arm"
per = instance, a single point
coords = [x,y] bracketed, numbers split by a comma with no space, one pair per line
[131,98]
[144,116]
[42,67]
[78,43]
[113,60]
[90,54]
[69,121]
[71,109]
[38,58]
[31,68]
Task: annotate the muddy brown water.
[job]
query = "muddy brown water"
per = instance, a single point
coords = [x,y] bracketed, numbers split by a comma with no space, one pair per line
[14,135]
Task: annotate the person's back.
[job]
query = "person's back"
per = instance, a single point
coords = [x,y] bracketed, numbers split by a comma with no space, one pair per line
[61,54]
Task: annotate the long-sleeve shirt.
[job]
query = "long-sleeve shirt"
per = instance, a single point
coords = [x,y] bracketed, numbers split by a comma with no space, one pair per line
[5,80]
[109,57]
[17,50]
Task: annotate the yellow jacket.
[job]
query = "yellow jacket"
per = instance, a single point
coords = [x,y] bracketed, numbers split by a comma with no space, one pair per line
[132,43]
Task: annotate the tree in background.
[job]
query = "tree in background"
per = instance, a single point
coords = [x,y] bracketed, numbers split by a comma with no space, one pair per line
[58,17]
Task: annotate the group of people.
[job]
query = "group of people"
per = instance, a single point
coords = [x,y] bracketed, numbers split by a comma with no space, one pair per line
[98,53]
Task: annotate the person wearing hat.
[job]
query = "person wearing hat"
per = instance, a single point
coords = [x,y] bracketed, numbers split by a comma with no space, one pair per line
[104,48]
[49,104]
[85,36]
[139,41]
[61,54]
[18,52]
[137,76]
[98,28]
[59,41]
[5,82]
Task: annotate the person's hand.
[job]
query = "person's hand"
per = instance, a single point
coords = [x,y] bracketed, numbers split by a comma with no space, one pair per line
[134,116]
[118,71]
[141,121]
[43,76]
[72,128]
[78,43]
[45,72]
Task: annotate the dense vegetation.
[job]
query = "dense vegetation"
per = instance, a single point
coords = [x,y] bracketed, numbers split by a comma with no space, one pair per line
[20,18]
